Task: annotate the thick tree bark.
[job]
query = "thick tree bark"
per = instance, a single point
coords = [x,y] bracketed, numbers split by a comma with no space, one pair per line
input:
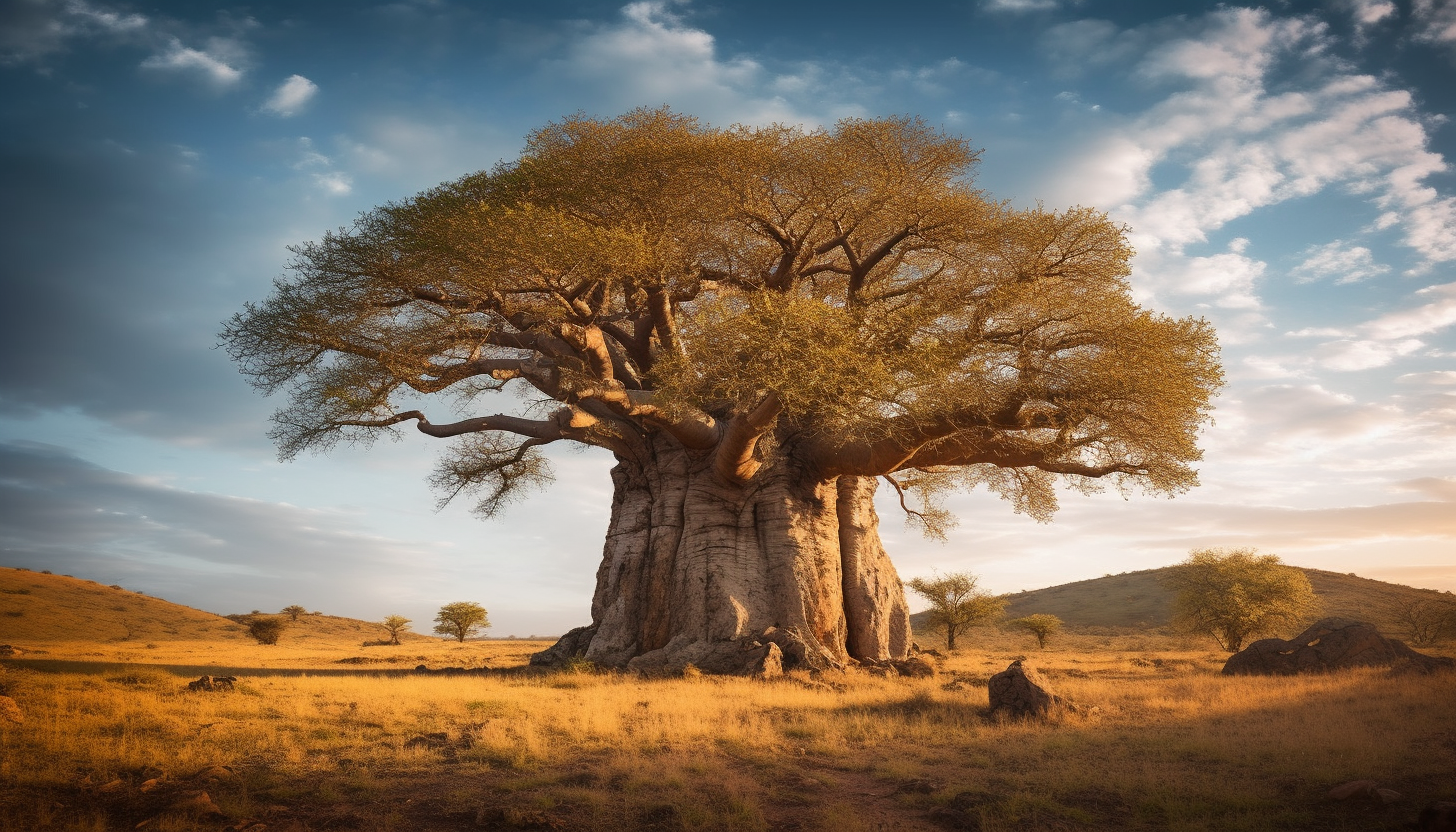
[787,570]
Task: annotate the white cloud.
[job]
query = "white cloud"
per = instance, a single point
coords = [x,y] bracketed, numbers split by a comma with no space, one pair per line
[1019,5]
[1437,19]
[1351,354]
[211,65]
[334,183]
[1243,147]
[1339,260]
[1369,12]
[652,56]
[1435,377]
[291,96]
[1437,313]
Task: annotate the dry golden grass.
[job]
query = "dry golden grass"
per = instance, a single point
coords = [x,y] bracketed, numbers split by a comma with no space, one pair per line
[1173,745]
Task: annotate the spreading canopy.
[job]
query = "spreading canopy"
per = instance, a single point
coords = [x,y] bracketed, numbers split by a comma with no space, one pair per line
[844,295]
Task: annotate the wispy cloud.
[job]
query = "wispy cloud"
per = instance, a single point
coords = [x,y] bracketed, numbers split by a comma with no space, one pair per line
[213,65]
[34,30]
[291,97]
[1340,260]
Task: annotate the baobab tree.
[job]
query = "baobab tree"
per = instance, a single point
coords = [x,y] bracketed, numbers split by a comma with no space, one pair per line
[759,323]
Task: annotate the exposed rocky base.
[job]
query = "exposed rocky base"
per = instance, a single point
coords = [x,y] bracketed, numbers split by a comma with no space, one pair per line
[1331,644]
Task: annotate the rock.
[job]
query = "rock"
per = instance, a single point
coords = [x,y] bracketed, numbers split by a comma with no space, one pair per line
[1019,691]
[195,803]
[1330,644]
[1438,817]
[212,683]
[914,667]
[760,658]
[1387,796]
[10,710]
[566,648]
[215,774]
[9,650]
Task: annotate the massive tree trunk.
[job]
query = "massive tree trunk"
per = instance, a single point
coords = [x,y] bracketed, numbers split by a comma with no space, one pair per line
[787,570]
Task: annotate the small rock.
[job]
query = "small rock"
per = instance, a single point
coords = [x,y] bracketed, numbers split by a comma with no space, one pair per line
[1387,796]
[8,650]
[214,774]
[195,803]
[151,785]
[914,667]
[10,710]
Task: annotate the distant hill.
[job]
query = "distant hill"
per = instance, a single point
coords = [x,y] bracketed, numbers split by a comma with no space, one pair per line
[1139,601]
[36,607]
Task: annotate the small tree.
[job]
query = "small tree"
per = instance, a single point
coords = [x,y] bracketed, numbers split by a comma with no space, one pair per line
[293,612]
[267,628]
[460,619]
[1235,594]
[395,624]
[956,604]
[1041,625]
[1425,621]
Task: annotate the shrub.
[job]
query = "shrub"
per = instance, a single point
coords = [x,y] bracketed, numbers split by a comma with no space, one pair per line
[267,628]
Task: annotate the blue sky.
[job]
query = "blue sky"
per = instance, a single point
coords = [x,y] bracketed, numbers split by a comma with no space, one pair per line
[1286,171]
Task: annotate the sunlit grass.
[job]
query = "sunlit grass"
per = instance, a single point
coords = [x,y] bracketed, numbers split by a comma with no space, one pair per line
[1171,745]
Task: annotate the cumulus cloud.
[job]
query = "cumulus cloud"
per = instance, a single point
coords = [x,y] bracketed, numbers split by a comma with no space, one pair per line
[652,56]
[213,65]
[1261,113]
[1436,19]
[1340,260]
[291,96]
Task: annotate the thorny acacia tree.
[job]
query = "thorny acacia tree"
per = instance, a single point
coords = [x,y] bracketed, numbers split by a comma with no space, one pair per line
[759,323]
[460,619]
[1236,594]
[956,604]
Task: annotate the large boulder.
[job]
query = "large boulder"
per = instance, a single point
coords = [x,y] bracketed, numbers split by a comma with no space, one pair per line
[1330,644]
[1019,691]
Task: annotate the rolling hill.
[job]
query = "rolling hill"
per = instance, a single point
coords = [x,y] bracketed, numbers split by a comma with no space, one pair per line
[36,607]
[1139,601]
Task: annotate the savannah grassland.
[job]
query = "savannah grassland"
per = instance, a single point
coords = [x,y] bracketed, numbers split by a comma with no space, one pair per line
[343,740]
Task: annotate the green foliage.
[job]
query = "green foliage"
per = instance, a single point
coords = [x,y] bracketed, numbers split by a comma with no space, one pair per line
[461,619]
[1236,594]
[395,624]
[649,274]
[1041,625]
[956,604]
[267,628]
[293,611]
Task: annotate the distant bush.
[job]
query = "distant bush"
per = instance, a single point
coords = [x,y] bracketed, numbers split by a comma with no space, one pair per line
[293,611]
[1041,626]
[267,628]
[46,572]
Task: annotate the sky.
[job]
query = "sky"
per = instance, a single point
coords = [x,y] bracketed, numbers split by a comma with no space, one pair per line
[1285,171]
